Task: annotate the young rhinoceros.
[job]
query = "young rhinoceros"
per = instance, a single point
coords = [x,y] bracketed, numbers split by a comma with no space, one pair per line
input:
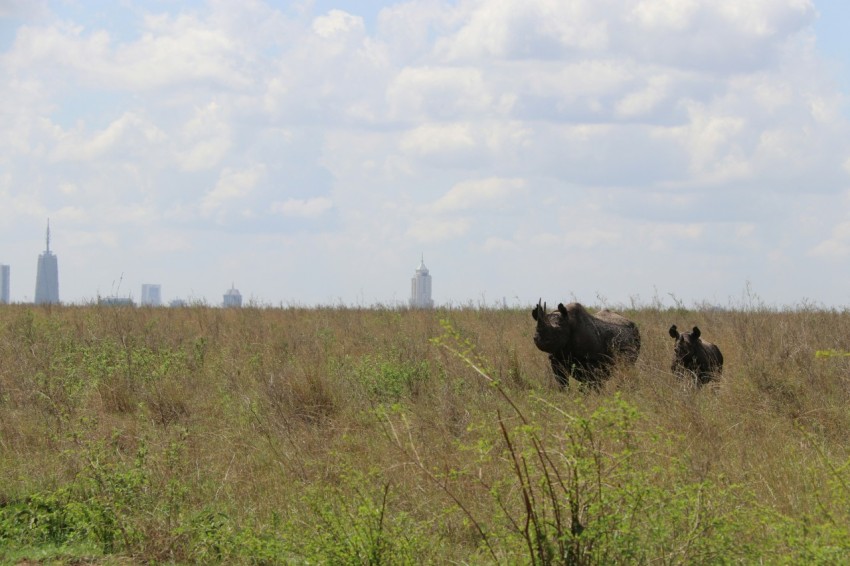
[584,345]
[696,356]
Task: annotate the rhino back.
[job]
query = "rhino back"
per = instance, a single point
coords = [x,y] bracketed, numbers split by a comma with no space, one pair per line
[614,318]
[713,359]
[604,334]
[625,337]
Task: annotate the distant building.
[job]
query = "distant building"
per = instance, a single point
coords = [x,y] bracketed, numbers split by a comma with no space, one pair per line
[47,277]
[177,303]
[151,295]
[4,284]
[420,288]
[233,298]
[116,301]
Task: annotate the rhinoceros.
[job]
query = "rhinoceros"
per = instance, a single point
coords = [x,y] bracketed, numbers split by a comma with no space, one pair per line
[695,357]
[582,344]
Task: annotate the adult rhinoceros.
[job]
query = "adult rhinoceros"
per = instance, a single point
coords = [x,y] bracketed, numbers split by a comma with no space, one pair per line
[582,344]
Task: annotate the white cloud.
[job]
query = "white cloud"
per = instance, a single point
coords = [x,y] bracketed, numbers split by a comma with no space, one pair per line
[504,28]
[305,208]
[178,50]
[837,246]
[500,245]
[644,100]
[670,14]
[766,17]
[712,140]
[434,230]
[478,194]
[205,139]
[232,187]
[68,188]
[23,8]
[439,138]
[419,92]
[338,23]
[127,134]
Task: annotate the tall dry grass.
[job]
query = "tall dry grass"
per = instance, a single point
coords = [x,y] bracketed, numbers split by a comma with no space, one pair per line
[389,436]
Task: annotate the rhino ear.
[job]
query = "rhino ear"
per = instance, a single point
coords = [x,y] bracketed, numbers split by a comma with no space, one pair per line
[674,332]
[562,309]
[695,332]
[534,313]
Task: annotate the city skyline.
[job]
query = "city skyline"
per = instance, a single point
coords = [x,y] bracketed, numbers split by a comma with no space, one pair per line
[47,288]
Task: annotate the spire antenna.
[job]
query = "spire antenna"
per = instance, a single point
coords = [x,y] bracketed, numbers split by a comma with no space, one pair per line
[48,235]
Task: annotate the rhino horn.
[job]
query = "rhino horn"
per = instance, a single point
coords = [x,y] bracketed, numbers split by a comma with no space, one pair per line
[541,314]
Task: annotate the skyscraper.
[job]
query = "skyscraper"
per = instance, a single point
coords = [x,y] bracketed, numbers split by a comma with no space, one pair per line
[151,295]
[4,284]
[47,277]
[420,288]
[233,298]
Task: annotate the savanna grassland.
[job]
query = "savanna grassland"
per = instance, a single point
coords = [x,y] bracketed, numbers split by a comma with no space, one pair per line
[381,436]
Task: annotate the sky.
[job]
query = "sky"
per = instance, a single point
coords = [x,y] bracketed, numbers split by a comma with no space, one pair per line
[611,152]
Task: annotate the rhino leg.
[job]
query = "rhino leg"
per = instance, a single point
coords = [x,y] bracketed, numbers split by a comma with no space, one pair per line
[704,377]
[561,369]
[592,375]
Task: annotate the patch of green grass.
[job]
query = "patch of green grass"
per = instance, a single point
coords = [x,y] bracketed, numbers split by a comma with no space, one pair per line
[831,353]
[389,379]
[50,555]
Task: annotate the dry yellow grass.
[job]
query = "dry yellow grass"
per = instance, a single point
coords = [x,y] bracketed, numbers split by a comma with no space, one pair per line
[264,435]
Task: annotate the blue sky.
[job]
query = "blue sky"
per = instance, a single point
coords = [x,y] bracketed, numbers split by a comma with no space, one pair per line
[309,152]
[833,41]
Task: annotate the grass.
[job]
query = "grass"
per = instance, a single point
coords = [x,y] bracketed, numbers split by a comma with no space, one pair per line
[381,436]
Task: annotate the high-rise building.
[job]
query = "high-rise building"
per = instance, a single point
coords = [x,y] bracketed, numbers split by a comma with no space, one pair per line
[151,295]
[4,284]
[233,298]
[420,288]
[47,277]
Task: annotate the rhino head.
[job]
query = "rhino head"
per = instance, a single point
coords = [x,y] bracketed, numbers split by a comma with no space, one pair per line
[552,332]
[686,346]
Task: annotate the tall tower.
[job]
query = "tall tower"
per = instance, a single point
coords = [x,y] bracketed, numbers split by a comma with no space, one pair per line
[233,298]
[420,288]
[4,284]
[47,277]
[151,295]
